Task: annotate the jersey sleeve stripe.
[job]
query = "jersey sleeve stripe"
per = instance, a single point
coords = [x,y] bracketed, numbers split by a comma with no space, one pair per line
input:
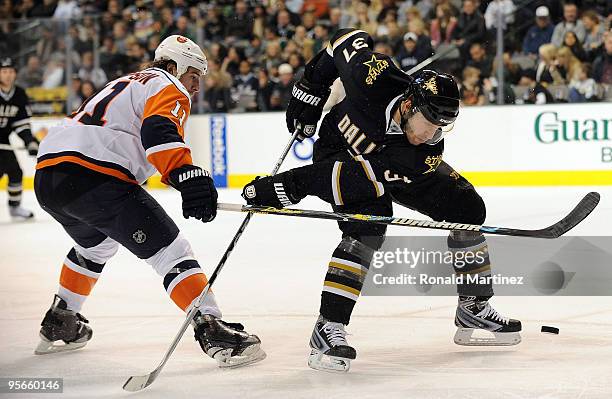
[21,122]
[336,183]
[367,167]
[21,129]
[157,130]
[168,160]
[163,147]
[343,38]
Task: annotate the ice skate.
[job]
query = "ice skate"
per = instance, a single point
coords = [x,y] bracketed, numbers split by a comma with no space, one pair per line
[61,324]
[473,315]
[227,343]
[20,214]
[329,349]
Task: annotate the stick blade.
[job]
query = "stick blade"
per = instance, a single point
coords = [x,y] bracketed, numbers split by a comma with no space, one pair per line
[139,382]
[577,215]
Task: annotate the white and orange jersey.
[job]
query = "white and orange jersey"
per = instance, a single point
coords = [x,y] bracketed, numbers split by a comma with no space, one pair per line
[129,129]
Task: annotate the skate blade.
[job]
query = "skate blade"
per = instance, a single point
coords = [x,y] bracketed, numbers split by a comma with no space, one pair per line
[250,355]
[46,347]
[21,219]
[464,337]
[333,364]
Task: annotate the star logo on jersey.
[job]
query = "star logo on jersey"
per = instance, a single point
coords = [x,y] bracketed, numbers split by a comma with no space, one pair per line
[432,163]
[376,68]
[431,85]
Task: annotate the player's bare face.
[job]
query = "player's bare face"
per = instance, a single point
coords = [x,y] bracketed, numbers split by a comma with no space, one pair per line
[191,80]
[419,130]
[7,78]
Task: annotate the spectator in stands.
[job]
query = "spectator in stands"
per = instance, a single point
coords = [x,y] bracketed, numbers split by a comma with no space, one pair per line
[46,45]
[536,92]
[602,67]
[54,72]
[470,27]
[443,25]
[264,93]
[231,63]
[259,20]
[363,20]
[240,23]
[67,9]
[217,96]
[44,9]
[540,33]
[283,25]
[546,70]
[567,64]
[335,18]
[120,36]
[480,60]
[321,37]
[32,74]
[273,55]
[472,92]
[76,100]
[387,7]
[179,8]
[594,33]
[143,27]
[183,28]
[506,7]
[582,88]
[214,25]
[308,22]
[87,90]
[570,22]
[244,89]
[297,63]
[283,88]
[88,72]
[571,41]
[255,51]
[413,52]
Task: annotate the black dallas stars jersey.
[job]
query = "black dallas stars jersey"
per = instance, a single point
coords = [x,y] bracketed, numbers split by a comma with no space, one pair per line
[362,121]
[15,115]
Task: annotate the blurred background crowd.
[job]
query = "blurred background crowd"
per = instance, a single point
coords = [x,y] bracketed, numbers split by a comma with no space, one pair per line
[553,51]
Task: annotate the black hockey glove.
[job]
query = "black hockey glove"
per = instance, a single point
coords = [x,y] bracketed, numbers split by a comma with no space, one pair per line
[277,191]
[305,107]
[197,190]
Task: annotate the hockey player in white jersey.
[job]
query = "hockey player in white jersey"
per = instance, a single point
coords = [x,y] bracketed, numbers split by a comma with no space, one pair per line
[88,178]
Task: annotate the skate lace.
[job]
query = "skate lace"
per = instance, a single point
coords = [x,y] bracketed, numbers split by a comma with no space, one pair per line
[335,333]
[489,312]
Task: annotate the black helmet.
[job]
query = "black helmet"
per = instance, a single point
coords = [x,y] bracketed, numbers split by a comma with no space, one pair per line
[7,62]
[436,96]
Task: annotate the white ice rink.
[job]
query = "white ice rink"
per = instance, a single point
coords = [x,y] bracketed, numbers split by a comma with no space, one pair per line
[272,284]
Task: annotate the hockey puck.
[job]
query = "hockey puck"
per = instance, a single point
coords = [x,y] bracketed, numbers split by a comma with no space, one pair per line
[550,330]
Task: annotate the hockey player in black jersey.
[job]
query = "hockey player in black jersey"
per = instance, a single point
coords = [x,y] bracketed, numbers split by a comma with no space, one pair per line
[14,117]
[382,143]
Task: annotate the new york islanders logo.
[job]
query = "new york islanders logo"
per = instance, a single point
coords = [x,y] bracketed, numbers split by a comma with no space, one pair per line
[181,39]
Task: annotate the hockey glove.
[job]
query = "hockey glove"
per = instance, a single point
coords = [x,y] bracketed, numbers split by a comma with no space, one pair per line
[305,107]
[197,190]
[277,191]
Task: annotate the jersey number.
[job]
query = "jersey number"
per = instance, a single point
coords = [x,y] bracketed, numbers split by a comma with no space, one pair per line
[96,118]
[358,44]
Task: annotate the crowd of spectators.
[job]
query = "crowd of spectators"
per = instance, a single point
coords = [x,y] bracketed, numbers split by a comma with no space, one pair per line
[256,49]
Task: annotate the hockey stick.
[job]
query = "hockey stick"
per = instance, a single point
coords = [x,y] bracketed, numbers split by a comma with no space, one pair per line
[9,147]
[577,215]
[136,383]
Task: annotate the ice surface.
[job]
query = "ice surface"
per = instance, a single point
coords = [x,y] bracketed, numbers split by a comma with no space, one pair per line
[272,284]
